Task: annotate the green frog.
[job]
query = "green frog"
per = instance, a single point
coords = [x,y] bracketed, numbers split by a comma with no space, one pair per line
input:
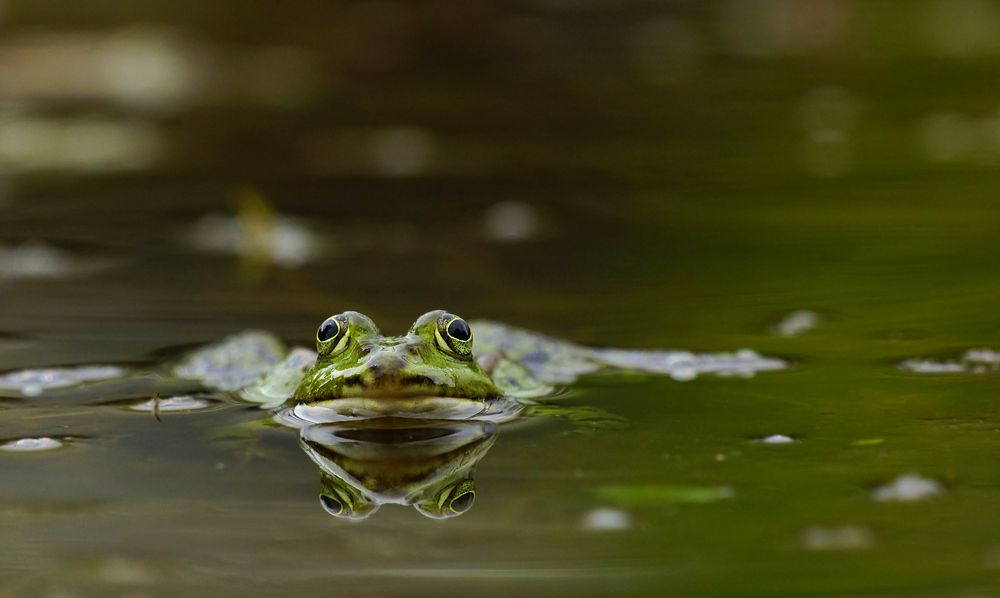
[440,363]
[391,419]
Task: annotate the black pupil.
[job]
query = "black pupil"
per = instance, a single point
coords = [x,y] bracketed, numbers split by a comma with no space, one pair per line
[331,504]
[459,330]
[462,503]
[328,330]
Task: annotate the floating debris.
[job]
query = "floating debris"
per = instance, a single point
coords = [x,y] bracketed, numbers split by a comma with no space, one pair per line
[31,445]
[170,404]
[78,144]
[868,442]
[844,537]
[41,260]
[512,221]
[606,519]
[797,322]
[257,233]
[776,439]
[908,488]
[234,362]
[34,382]
[663,494]
[973,361]
[280,382]
[684,366]
[555,361]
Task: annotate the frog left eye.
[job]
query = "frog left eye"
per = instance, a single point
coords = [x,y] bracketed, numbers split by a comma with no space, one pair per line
[333,335]
[455,336]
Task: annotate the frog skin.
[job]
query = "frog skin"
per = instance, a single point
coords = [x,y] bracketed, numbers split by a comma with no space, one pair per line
[433,359]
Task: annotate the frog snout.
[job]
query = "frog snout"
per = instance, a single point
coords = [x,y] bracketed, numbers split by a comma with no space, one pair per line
[386,363]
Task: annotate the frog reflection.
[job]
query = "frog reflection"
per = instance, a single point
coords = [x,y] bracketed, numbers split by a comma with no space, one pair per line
[425,463]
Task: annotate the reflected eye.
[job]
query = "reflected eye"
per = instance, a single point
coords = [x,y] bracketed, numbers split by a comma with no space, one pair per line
[455,336]
[331,504]
[463,503]
[333,335]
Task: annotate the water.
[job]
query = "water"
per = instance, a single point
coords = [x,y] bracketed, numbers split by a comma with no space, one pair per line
[620,176]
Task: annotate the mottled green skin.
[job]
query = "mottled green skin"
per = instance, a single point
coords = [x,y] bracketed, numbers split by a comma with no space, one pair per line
[417,364]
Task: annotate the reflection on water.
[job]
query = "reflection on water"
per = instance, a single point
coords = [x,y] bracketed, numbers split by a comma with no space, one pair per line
[427,464]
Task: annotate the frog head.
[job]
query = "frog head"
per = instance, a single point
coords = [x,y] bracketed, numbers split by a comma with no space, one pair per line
[433,359]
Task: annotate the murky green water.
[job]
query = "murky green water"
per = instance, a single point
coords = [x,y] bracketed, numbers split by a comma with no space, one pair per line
[683,176]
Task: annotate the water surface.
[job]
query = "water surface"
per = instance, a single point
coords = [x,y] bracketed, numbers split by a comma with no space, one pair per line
[687,203]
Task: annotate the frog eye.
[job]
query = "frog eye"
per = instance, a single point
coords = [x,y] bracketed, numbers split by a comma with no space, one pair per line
[333,335]
[462,502]
[328,329]
[331,504]
[454,336]
[450,502]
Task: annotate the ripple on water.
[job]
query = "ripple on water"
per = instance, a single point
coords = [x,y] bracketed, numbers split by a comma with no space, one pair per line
[34,382]
[178,404]
[13,341]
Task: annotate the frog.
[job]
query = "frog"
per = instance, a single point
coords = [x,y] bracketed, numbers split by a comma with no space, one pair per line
[359,398]
[438,364]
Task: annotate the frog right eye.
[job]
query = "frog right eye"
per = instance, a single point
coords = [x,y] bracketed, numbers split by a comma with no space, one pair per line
[333,336]
[328,329]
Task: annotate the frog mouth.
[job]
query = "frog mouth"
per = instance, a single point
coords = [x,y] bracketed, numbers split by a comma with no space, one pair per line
[390,387]
[355,408]
[403,391]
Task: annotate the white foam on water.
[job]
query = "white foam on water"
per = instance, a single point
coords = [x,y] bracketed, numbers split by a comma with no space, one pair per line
[777,439]
[29,445]
[908,488]
[606,519]
[34,382]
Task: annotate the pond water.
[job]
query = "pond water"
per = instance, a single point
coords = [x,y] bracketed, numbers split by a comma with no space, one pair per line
[811,180]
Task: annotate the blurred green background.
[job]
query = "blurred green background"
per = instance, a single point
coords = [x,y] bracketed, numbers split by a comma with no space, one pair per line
[629,173]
